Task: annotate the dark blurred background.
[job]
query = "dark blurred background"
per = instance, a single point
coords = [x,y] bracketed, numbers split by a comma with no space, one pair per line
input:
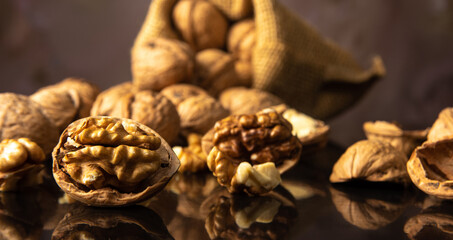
[42,42]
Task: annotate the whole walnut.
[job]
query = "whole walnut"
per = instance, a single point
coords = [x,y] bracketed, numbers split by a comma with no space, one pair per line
[106,161]
[198,114]
[87,93]
[177,93]
[250,151]
[216,71]
[241,39]
[147,107]
[241,100]
[200,23]
[371,160]
[20,117]
[443,126]
[107,100]
[161,63]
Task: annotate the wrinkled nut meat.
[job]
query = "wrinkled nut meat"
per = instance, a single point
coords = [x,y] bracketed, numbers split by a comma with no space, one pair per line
[403,140]
[241,100]
[241,39]
[430,168]
[192,157]
[256,139]
[161,63]
[200,23]
[106,161]
[22,118]
[442,127]
[20,164]
[371,160]
[312,133]
[217,71]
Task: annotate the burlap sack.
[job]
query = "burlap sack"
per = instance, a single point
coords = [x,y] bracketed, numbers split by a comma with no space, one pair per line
[290,58]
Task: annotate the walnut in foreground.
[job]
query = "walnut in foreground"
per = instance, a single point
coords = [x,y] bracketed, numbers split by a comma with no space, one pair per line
[106,161]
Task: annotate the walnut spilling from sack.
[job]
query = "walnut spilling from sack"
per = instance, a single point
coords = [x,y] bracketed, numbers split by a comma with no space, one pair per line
[104,154]
[256,139]
[20,164]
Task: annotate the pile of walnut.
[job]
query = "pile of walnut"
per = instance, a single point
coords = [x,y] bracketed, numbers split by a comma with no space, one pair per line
[384,156]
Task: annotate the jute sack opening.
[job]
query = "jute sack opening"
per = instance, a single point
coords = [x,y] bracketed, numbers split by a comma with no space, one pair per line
[290,58]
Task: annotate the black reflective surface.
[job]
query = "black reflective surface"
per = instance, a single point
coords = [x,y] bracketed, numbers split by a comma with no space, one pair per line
[305,206]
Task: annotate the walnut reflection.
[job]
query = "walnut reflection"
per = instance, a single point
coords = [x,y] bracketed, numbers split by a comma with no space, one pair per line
[128,223]
[370,206]
[434,222]
[238,216]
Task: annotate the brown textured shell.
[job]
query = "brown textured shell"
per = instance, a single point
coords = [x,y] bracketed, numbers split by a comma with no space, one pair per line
[241,39]
[198,114]
[147,107]
[241,100]
[403,140]
[87,93]
[136,222]
[21,117]
[108,195]
[443,126]
[161,63]
[177,93]
[107,100]
[435,220]
[430,169]
[200,23]
[371,160]
[216,71]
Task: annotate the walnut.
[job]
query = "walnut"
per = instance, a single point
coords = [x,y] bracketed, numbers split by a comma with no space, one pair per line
[264,137]
[369,208]
[22,118]
[435,222]
[199,114]
[234,216]
[443,126]
[21,164]
[241,39]
[312,133]
[177,93]
[133,222]
[241,100]
[107,100]
[371,160]
[244,72]
[216,71]
[430,169]
[106,161]
[161,63]
[192,157]
[200,23]
[403,140]
[147,107]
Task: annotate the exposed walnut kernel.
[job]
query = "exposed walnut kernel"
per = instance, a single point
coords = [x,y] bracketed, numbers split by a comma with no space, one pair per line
[192,158]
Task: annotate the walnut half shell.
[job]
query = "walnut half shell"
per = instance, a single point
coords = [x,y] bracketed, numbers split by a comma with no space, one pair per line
[106,161]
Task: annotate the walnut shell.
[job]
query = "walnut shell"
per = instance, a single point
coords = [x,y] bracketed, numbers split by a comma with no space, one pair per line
[255,139]
[433,223]
[199,114]
[371,160]
[161,63]
[369,208]
[21,117]
[234,216]
[147,107]
[87,94]
[135,222]
[177,93]
[107,100]
[403,140]
[216,71]
[241,100]
[241,39]
[430,170]
[443,126]
[106,161]
[200,23]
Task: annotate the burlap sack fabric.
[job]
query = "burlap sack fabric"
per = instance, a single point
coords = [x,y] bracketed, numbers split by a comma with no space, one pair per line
[290,58]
